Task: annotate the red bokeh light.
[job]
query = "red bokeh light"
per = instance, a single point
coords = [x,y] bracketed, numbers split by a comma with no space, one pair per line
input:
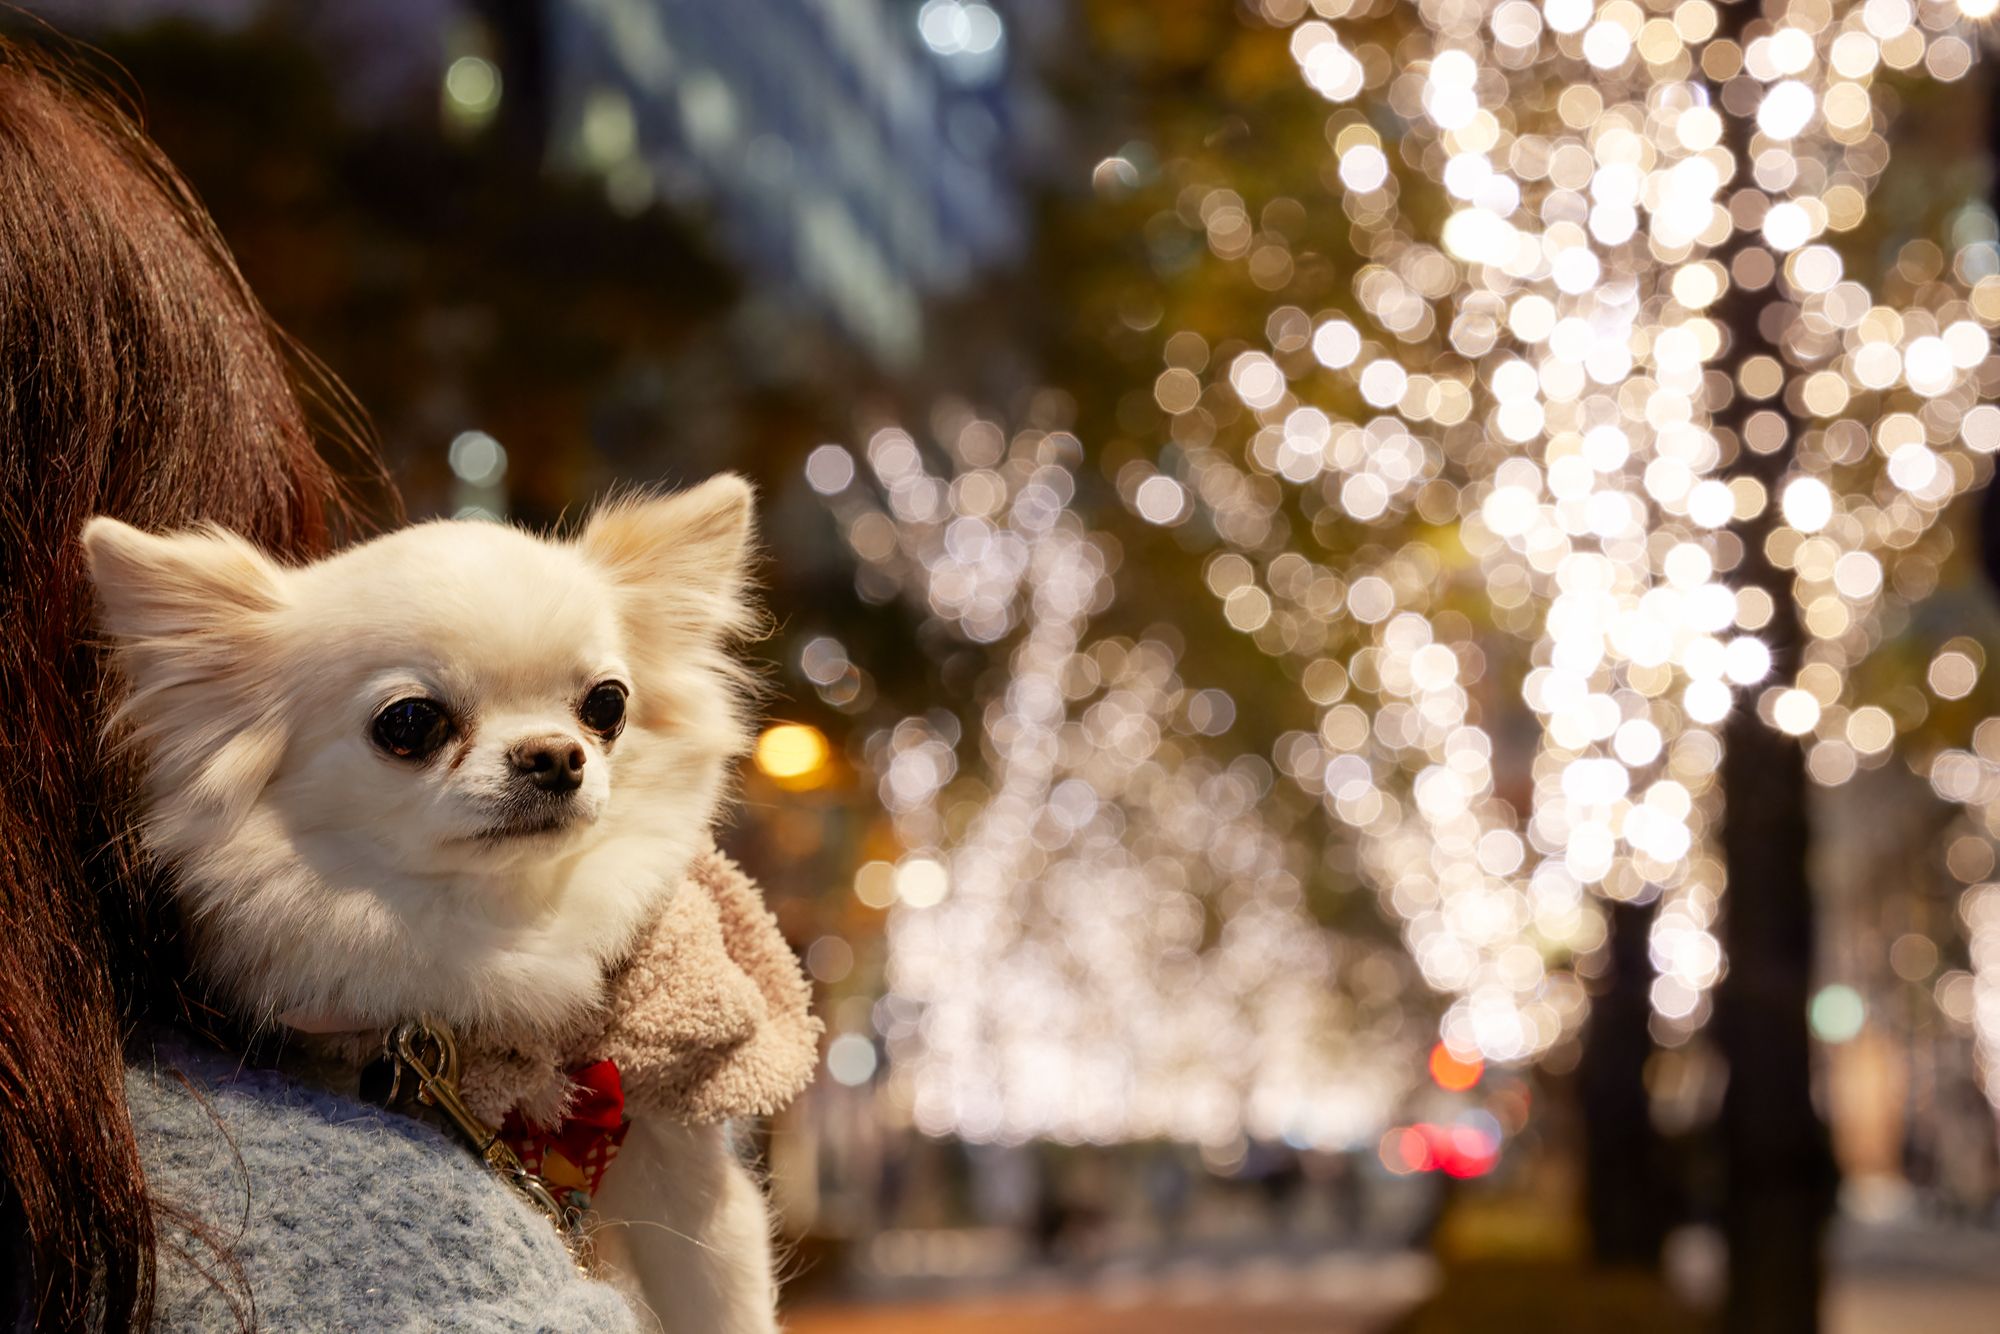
[1457,1151]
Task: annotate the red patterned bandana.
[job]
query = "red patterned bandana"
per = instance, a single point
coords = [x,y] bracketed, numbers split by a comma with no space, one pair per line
[573,1156]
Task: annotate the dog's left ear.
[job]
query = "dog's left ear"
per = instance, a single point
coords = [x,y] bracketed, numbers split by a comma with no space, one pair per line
[186,612]
[687,553]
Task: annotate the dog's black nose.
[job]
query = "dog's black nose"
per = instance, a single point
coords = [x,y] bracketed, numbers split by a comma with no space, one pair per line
[551,763]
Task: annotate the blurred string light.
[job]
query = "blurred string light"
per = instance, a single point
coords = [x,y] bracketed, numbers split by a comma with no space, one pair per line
[1974,998]
[967,36]
[478,465]
[1099,934]
[1969,776]
[1541,373]
[477,459]
[1452,1073]
[471,91]
[794,755]
[1469,1147]
[1522,402]
[836,678]
[851,1059]
[1837,1013]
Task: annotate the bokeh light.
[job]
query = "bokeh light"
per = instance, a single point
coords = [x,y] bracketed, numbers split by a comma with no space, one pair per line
[794,754]
[1536,404]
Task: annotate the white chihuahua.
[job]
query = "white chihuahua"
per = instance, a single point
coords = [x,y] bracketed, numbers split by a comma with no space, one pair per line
[451,773]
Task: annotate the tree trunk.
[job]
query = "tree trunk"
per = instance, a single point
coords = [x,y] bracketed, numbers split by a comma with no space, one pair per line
[1627,1203]
[1779,1174]
[1778,1163]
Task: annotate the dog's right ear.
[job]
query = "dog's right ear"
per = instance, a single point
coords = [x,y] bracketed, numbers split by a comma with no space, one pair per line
[180,586]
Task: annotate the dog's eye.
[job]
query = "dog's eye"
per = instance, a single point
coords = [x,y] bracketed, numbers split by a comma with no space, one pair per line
[603,710]
[410,729]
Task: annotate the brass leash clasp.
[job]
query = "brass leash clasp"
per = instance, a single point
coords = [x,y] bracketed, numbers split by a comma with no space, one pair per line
[427,1052]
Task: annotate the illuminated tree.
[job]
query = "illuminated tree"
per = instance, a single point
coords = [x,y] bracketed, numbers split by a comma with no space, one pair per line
[1600,400]
[1102,933]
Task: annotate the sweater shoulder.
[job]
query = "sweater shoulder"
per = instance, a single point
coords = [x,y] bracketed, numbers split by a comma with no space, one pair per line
[327,1213]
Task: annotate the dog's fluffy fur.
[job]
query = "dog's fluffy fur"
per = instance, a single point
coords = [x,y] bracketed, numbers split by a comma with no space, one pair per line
[328,883]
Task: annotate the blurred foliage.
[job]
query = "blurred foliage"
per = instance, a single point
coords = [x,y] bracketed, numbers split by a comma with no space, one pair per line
[1194,99]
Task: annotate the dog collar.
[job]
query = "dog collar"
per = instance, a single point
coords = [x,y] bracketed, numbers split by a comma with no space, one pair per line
[421,1058]
[572,1156]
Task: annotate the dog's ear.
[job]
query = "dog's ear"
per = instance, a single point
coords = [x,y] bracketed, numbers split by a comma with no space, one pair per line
[179,586]
[681,566]
[687,553]
[186,612]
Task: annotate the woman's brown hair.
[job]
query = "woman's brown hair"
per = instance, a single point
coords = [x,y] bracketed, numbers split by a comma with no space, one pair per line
[138,378]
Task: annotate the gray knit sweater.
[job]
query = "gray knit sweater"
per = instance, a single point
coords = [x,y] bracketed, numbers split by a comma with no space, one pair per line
[340,1216]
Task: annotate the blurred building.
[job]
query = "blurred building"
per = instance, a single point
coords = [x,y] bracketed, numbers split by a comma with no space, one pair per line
[854,154]
[854,158]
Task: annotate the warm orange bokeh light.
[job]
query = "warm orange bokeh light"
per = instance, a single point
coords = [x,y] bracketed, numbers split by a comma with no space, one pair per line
[794,754]
[1452,1074]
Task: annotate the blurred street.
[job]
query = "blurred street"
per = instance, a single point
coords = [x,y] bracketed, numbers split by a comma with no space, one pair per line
[1339,1293]
[1914,1279]
[1888,1278]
